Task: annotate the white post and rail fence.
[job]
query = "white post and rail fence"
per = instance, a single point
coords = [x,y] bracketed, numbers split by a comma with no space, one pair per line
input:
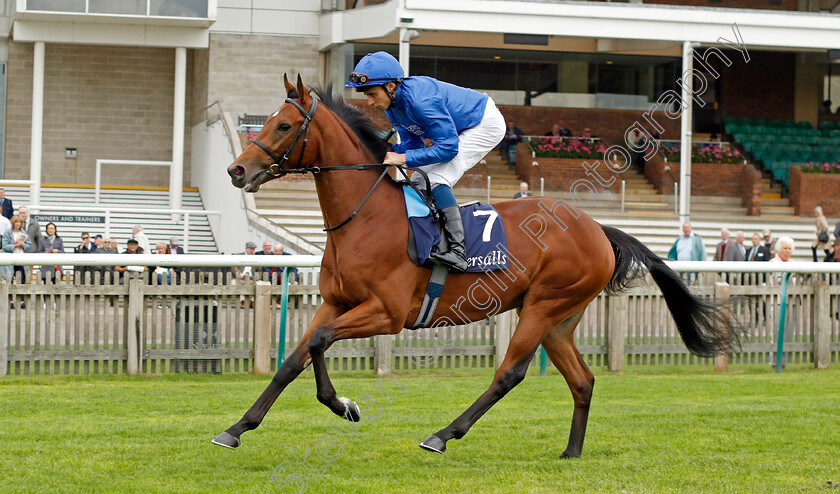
[229,321]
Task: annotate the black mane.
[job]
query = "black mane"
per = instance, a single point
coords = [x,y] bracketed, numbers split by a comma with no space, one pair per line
[354,117]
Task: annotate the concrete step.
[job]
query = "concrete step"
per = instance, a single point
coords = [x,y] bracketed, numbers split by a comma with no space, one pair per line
[776,211]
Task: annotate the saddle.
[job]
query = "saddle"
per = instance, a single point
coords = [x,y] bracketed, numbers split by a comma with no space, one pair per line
[484,231]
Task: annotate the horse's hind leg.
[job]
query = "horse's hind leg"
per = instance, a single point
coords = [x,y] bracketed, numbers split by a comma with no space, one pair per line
[291,368]
[529,332]
[560,346]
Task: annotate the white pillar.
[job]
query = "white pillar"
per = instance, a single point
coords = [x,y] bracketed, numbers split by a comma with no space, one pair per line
[685,132]
[37,138]
[406,35]
[176,171]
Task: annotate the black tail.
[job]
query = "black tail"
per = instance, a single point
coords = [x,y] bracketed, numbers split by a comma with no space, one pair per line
[706,327]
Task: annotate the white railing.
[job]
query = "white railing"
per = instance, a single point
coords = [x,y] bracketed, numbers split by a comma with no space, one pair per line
[216,260]
[30,183]
[99,164]
[108,210]
[180,260]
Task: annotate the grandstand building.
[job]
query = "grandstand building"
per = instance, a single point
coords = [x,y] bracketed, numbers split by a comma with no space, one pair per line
[167,80]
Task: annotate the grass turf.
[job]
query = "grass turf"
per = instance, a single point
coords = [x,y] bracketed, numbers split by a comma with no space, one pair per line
[654,429]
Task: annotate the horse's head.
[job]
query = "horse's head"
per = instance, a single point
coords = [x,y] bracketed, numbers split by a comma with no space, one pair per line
[281,144]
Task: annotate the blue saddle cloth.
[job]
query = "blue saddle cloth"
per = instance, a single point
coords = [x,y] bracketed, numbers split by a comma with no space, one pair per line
[486,242]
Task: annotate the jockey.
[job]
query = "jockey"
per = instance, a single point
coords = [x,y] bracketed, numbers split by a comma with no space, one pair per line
[463,124]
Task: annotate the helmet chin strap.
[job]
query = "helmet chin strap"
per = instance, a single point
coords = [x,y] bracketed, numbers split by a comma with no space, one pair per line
[391,94]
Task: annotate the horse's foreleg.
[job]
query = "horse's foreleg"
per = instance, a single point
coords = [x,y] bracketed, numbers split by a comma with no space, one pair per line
[560,346]
[291,368]
[366,319]
[511,372]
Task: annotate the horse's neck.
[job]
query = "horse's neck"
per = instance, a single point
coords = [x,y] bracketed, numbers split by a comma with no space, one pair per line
[341,192]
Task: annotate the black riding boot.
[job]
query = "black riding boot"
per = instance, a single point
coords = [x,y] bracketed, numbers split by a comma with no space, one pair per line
[456,257]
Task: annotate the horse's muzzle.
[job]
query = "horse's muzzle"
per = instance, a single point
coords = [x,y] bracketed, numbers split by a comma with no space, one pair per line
[237,175]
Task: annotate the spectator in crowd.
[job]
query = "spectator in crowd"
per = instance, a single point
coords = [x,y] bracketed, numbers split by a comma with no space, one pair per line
[132,247]
[161,274]
[837,231]
[241,272]
[559,129]
[98,248]
[294,275]
[142,240]
[16,241]
[784,251]
[6,205]
[250,250]
[266,251]
[31,227]
[174,248]
[758,252]
[769,241]
[822,241]
[638,142]
[50,243]
[507,148]
[834,255]
[109,246]
[4,225]
[688,247]
[86,247]
[523,191]
[736,251]
[785,247]
[720,249]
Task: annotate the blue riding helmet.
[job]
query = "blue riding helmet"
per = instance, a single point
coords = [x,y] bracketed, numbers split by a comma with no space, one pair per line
[375,69]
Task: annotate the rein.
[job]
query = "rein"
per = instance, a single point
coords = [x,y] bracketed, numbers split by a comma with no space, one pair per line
[277,170]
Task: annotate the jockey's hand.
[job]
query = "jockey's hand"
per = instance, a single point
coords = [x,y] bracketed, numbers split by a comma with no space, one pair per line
[392,158]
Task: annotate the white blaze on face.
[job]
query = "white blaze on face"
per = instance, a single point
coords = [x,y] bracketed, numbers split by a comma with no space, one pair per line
[275,113]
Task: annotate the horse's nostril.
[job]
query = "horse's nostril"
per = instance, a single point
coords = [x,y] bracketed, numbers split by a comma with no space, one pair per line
[237,171]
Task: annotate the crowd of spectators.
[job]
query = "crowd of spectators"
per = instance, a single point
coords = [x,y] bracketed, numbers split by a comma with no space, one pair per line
[514,135]
[762,247]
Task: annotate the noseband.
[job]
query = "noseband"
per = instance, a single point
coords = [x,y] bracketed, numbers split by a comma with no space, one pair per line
[276,169]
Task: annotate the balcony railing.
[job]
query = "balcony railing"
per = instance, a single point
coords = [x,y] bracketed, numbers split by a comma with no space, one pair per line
[192,9]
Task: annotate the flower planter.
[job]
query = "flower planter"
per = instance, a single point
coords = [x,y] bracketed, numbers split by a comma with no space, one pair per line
[808,190]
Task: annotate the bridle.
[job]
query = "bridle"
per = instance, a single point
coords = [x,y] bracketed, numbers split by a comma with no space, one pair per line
[277,170]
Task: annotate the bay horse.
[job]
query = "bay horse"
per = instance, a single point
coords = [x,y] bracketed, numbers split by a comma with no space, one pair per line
[560,260]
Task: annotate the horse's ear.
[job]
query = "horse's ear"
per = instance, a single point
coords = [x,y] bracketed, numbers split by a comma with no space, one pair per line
[289,87]
[305,98]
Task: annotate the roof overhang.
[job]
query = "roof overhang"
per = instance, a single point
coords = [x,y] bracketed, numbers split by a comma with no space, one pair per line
[101,33]
[763,29]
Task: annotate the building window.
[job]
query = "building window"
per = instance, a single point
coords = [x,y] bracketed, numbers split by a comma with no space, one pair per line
[543,78]
[56,5]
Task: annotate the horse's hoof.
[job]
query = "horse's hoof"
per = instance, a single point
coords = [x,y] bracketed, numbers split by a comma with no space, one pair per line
[227,440]
[566,455]
[433,444]
[352,412]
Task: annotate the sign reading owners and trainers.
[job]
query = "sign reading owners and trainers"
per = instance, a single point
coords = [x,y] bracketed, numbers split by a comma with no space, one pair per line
[68,218]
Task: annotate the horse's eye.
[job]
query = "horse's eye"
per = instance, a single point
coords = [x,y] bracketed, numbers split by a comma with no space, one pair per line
[284,126]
